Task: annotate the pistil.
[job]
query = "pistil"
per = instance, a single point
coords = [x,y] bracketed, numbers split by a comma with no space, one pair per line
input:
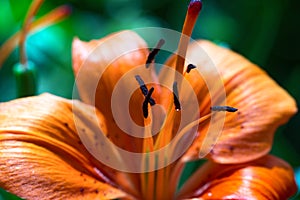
[188,26]
[162,176]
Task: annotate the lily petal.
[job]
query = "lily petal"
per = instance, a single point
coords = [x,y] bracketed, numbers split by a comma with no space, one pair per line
[99,65]
[104,62]
[262,104]
[41,155]
[265,178]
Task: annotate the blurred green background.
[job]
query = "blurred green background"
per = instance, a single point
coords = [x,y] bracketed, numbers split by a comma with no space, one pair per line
[265,31]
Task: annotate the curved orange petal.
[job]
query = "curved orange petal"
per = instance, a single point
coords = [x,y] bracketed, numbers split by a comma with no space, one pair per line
[99,65]
[41,155]
[263,105]
[265,178]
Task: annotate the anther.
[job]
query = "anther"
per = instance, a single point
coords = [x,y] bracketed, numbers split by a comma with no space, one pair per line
[146,101]
[154,52]
[175,96]
[142,85]
[144,89]
[223,108]
[190,67]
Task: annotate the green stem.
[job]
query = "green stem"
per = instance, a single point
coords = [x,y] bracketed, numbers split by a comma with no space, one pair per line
[25,79]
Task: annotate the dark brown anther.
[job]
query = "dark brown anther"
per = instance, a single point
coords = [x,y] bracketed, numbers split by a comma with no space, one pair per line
[146,101]
[154,52]
[190,67]
[175,96]
[144,89]
[223,108]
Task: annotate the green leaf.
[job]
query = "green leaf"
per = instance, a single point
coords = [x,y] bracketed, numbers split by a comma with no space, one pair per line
[25,76]
[19,8]
[7,196]
[189,169]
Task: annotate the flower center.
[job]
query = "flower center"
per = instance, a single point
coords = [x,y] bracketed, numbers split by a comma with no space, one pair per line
[153,182]
[193,11]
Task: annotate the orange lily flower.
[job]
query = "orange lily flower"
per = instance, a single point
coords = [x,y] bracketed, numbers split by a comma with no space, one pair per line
[55,148]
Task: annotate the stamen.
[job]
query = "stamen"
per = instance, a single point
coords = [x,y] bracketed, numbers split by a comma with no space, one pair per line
[34,7]
[154,52]
[188,26]
[144,89]
[175,96]
[223,108]
[190,67]
[146,101]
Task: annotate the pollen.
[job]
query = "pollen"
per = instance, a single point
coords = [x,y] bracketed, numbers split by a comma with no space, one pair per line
[144,89]
[190,67]
[223,108]
[146,101]
[154,52]
[175,96]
